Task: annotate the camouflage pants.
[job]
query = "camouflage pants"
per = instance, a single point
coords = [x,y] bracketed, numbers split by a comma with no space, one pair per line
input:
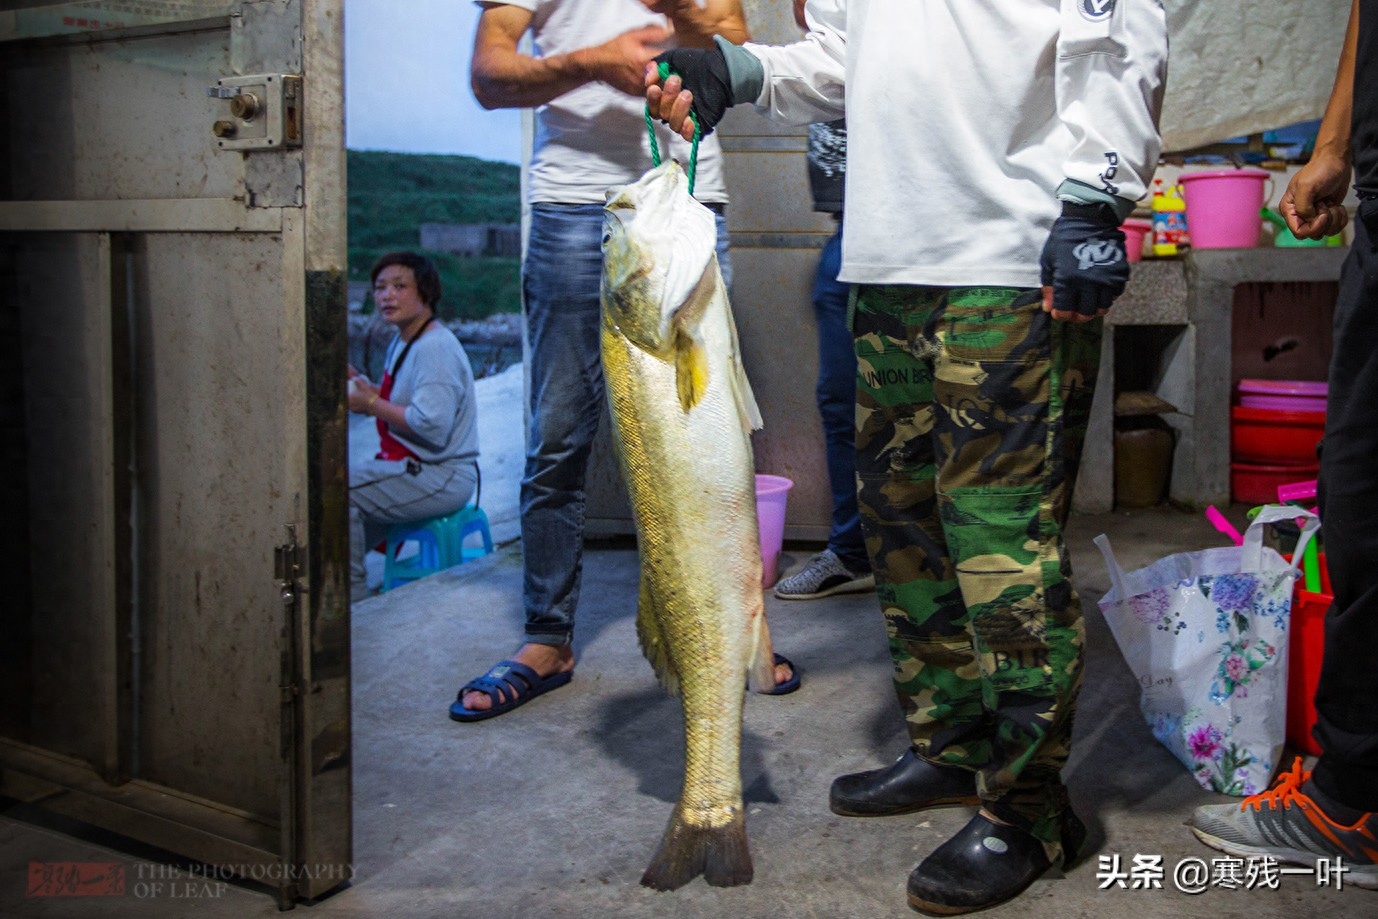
[972,406]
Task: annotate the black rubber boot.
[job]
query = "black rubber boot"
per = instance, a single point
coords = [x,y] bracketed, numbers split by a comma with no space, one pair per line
[910,784]
[984,865]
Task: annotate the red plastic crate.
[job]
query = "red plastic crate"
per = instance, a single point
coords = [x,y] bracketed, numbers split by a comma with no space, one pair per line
[1305,647]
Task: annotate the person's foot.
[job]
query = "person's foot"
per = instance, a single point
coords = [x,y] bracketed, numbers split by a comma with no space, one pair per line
[822,576]
[546,660]
[987,863]
[1287,822]
[910,784]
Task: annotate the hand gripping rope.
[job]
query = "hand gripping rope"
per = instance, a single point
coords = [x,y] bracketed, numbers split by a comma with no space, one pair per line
[655,147]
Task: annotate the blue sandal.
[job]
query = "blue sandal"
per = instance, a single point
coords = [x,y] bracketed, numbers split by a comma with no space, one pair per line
[790,685]
[508,685]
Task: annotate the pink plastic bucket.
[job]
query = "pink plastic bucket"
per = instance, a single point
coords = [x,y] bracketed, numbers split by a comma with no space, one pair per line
[772,494]
[1284,403]
[1314,388]
[1223,207]
[1134,232]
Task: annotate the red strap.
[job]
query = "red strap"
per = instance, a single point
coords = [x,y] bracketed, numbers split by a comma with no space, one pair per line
[390,448]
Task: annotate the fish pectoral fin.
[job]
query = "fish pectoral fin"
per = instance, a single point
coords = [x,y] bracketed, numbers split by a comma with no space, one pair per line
[653,640]
[691,369]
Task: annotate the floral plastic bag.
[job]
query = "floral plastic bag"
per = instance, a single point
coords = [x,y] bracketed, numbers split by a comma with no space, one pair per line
[1205,633]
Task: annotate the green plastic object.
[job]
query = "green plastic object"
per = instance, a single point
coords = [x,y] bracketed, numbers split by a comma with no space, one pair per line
[1286,239]
[1311,568]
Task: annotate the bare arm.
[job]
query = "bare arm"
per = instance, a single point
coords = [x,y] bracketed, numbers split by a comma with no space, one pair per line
[1313,203]
[503,77]
[364,398]
[695,26]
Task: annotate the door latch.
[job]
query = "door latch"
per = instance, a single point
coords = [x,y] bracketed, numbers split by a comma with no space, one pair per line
[262,111]
[287,567]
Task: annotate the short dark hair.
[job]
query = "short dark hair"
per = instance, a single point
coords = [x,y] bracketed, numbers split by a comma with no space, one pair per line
[422,268]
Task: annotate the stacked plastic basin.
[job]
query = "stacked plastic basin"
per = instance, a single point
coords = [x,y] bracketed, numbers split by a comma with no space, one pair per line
[1274,429]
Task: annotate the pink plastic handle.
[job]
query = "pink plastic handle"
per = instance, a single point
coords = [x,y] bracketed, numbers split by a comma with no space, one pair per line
[1218,520]
[1297,491]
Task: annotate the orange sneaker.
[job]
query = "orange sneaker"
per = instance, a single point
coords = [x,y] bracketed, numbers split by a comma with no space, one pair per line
[1286,824]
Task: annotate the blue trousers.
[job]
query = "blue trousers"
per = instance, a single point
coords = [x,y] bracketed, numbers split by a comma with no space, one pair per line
[560,288]
[836,393]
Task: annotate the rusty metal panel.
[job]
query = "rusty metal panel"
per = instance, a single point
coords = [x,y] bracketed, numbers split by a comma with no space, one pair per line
[189,301]
[57,287]
[134,115]
[217,368]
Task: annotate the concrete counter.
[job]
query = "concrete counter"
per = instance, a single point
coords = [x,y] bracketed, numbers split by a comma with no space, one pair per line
[1196,293]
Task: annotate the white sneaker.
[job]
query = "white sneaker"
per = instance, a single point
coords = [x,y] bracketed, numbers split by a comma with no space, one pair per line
[822,576]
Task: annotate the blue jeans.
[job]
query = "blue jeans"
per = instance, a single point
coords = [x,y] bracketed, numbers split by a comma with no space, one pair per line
[836,394]
[560,289]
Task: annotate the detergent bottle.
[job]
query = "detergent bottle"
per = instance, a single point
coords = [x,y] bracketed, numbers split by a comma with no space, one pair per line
[1169,220]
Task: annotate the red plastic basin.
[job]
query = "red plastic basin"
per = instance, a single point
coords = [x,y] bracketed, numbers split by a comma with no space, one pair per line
[1253,483]
[1273,437]
[1305,647]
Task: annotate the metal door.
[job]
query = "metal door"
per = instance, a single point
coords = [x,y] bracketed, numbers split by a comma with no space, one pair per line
[174,660]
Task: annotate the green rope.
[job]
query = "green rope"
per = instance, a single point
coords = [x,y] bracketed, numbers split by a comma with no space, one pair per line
[655,147]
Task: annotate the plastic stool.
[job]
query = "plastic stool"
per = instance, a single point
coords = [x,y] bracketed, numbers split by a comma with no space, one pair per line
[440,544]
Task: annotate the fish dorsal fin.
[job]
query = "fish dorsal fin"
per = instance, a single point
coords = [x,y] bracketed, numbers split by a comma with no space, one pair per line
[653,640]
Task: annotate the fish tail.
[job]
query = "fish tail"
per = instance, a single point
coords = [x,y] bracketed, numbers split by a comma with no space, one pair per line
[719,853]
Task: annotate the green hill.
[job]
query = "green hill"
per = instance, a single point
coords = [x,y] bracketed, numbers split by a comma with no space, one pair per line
[392,194]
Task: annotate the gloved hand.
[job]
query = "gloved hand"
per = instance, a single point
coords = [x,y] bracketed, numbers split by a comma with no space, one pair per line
[1084,261]
[703,71]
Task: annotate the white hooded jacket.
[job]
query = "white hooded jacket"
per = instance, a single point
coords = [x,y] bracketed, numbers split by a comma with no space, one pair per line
[964,119]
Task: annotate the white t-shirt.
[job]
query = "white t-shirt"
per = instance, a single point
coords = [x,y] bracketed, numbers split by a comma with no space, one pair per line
[594,137]
[965,117]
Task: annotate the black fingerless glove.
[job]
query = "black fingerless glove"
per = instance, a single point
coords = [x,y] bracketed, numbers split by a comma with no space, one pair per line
[1084,259]
[704,73]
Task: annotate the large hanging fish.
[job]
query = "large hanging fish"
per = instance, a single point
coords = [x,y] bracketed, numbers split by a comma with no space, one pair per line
[682,414]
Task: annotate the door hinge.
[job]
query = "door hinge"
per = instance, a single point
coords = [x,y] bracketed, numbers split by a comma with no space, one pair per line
[260,111]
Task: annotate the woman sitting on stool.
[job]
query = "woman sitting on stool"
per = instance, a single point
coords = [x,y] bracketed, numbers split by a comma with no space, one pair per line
[426,411]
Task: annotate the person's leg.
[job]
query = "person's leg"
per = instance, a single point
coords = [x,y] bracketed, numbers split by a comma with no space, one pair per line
[1004,373]
[836,394]
[1347,694]
[560,289]
[844,566]
[560,280]
[1000,380]
[383,492]
[1331,813]
[936,677]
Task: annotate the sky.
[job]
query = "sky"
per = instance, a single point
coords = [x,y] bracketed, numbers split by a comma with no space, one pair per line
[407,82]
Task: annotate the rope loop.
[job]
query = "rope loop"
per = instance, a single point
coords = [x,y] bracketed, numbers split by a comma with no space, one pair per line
[655,146]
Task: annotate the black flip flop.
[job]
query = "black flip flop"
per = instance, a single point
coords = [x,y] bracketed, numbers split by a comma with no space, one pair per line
[790,685]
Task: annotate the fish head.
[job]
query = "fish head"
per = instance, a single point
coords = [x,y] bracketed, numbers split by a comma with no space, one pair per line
[658,244]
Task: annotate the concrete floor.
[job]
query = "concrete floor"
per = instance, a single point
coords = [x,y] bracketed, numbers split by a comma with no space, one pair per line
[554,810]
